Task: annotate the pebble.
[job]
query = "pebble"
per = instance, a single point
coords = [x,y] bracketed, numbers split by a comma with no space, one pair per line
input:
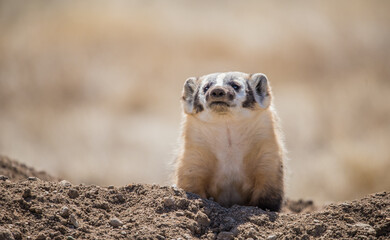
[32,178]
[65,183]
[225,236]
[36,210]
[73,193]
[70,238]
[73,220]
[110,187]
[115,222]
[366,227]
[3,178]
[179,213]
[169,202]
[271,237]
[64,212]
[349,219]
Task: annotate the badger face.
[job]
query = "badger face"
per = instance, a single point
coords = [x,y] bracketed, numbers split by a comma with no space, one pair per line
[231,93]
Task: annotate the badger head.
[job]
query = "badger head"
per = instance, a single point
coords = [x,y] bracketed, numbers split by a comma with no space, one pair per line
[221,94]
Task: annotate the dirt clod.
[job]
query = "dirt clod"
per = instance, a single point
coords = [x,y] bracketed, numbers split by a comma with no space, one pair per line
[73,193]
[202,219]
[26,193]
[317,230]
[169,202]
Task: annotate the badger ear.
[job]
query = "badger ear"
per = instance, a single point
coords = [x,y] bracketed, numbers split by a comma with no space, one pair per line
[188,96]
[261,89]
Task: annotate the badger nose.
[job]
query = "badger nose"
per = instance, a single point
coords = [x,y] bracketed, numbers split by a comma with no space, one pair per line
[218,93]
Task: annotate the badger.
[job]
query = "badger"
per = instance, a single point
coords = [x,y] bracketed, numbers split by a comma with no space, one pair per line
[231,144]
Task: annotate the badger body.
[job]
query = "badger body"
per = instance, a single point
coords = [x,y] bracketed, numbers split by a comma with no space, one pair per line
[231,148]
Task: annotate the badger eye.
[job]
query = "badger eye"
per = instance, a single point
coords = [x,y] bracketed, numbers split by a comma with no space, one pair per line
[235,86]
[206,88]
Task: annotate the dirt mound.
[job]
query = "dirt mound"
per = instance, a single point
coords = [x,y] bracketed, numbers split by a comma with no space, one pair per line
[37,209]
[19,171]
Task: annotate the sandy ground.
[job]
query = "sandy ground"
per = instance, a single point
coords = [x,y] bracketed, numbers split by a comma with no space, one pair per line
[35,205]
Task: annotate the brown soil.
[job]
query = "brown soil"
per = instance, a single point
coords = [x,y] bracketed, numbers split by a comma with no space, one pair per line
[19,171]
[33,205]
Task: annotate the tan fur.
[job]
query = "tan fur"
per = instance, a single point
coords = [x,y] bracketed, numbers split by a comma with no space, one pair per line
[233,160]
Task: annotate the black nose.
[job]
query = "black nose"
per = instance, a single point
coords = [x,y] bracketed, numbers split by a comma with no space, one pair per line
[218,92]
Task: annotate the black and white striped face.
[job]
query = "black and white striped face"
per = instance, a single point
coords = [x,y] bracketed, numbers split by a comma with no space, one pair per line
[226,93]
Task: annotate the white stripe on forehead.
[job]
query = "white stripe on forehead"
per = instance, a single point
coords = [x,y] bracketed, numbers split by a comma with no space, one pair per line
[220,79]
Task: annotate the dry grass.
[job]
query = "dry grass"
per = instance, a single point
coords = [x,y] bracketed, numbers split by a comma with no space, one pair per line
[89,90]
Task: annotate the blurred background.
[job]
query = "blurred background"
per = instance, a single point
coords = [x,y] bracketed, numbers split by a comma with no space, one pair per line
[89,90]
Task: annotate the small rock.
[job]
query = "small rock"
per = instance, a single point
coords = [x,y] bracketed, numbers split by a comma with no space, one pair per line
[6,234]
[101,205]
[32,179]
[202,219]
[64,212]
[110,187]
[73,220]
[271,237]
[73,193]
[361,225]
[179,213]
[65,183]
[115,222]
[366,227]
[70,238]
[225,236]
[349,219]
[169,202]
[36,210]
[123,232]
[3,178]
